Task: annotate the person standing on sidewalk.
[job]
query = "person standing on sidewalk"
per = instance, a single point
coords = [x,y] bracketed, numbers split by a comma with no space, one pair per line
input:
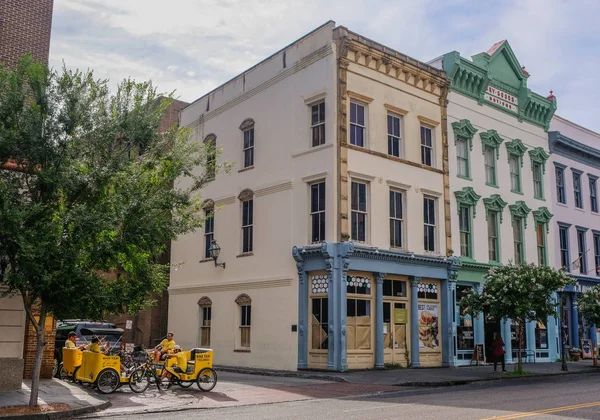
[498,351]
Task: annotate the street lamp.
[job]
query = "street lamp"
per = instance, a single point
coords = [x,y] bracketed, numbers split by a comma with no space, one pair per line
[214,252]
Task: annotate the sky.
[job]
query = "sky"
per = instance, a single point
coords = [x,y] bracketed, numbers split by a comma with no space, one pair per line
[193,46]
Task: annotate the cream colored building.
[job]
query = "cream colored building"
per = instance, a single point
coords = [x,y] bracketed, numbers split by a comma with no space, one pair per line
[333,225]
[12,331]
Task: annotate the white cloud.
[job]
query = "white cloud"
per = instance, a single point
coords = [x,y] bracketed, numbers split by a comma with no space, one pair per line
[206,42]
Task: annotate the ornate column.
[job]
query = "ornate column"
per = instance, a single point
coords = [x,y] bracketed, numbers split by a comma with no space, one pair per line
[574,321]
[344,253]
[379,320]
[414,322]
[331,324]
[505,325]
[303,326]
[302,317]
[447,326]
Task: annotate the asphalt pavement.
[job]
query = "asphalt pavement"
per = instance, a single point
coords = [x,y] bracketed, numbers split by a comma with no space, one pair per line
[549,398]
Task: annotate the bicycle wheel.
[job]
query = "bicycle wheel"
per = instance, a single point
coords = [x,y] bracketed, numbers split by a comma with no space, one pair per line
[185,384]
[107,381]
[207,379]
[139,381]
[163,383]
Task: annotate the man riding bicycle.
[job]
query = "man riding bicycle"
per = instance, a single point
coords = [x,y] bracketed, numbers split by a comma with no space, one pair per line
[163,348]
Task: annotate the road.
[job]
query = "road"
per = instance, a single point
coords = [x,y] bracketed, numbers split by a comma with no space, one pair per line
[568,397]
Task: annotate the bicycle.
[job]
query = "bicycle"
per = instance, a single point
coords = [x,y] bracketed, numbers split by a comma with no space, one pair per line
[142,376]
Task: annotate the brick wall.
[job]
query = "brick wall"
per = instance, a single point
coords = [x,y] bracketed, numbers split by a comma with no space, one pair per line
[30,345]
[25,27]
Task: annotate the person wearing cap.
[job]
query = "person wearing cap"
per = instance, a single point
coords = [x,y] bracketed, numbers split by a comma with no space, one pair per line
[181,360]
[163,348]
[70,343]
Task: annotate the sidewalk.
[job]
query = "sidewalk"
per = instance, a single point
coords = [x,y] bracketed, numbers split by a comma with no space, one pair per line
[427,376]
[57,399]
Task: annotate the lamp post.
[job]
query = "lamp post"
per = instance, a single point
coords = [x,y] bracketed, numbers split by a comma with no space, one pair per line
[214,252]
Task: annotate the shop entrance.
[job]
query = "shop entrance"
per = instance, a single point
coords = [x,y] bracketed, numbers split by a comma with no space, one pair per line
[491,326]
[464,337]
[395,344]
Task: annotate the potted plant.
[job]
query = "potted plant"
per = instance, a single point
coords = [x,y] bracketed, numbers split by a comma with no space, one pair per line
[575,353]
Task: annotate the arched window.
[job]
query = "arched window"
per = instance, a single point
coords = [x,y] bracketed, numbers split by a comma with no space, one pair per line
[247,128]
[247,199]
[205,304]
[245,316]
[209,224]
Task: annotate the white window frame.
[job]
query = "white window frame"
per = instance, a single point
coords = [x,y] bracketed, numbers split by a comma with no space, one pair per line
[463,143]
[209,236]
[364,127]
[248,326]
[435,229]
[319,123]
[250,226]
[203,310]
[399,137]
[431,148]
[249,149]
[402,220]
[366,212]
[311,213]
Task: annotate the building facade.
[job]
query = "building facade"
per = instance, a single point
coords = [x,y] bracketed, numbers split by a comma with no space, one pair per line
[575,171]
[25,27]
[500,189]
[339,145]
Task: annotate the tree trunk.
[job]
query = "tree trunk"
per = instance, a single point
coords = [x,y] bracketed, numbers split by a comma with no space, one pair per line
[39,347]
[520,335]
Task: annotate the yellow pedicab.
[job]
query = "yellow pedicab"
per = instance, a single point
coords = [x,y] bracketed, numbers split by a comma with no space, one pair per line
[102,370]
[199,370]
[71,360]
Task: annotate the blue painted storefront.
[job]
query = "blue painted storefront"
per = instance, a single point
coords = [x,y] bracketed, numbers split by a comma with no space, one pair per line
[338,260]
[575,327]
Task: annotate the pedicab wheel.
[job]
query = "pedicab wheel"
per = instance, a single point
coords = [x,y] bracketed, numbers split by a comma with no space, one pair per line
[207,379]
[164,383]
[139,381]
[107,381]
[74,377]
[186,384]
[62,373]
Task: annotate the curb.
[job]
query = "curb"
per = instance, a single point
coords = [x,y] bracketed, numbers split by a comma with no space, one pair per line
[283,374]
[501,378]
[62,414]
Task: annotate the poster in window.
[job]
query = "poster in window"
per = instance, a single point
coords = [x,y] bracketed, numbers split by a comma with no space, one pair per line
[428,326]
[400,315]
[467,321]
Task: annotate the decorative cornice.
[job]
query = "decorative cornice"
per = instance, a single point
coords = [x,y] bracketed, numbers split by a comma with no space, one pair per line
[516,148]
[492,139]
[572,149]
[243,299]
[359,97]
[467,197]
[246,124]
[428,121]
[464,129]
[539,155]
[381,59]
[232,286]
[467,263]
[274,189]
[472,79]
[543,216]
[395,110]
[496,204]
[519,210]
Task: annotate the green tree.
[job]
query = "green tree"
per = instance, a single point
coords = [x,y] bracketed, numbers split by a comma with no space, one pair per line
[90,193]
[589,305]
[520,293]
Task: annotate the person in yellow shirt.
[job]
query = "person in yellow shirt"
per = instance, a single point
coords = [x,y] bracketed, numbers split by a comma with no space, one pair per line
[181,366]
[70,343]
[94,346]
[163,348]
